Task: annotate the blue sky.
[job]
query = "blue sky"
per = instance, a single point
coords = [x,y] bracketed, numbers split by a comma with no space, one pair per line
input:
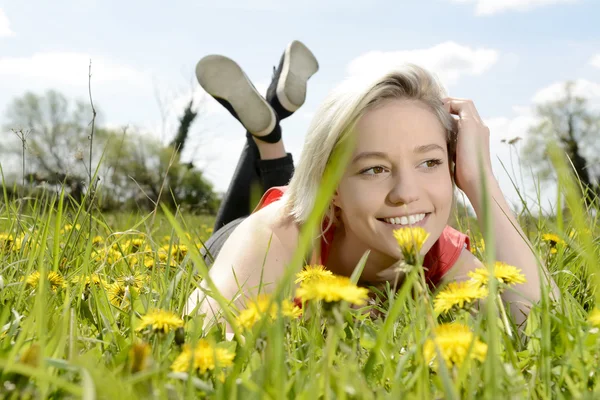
[506,55]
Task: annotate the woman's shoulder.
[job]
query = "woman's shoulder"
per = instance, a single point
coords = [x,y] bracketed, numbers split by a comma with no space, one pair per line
[270,220]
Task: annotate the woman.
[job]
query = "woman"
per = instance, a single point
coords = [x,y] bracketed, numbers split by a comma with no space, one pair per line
[402,173]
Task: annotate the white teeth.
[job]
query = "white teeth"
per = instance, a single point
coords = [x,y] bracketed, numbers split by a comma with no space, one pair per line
[410,220]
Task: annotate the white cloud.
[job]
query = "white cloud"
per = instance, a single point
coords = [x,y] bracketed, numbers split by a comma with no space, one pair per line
[449,60]
[490,7]
[5,30]
[68,69]
[582,88]
[595,61]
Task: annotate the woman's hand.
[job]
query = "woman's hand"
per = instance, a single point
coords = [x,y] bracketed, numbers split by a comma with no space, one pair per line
[472,147]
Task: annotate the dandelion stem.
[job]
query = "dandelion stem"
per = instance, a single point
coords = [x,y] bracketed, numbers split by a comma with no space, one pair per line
[504,317]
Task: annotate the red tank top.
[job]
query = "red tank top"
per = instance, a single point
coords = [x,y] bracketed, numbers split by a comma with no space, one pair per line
[437,262]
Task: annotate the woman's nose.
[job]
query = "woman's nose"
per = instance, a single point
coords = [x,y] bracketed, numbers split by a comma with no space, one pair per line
[405,189]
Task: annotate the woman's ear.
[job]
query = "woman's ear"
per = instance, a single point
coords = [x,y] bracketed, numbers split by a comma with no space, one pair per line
[336,199]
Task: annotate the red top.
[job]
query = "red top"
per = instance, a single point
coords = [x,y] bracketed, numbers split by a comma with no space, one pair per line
[438,260]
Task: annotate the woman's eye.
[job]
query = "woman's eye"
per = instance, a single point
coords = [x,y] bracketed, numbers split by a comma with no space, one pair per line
[432,163]
[373,171]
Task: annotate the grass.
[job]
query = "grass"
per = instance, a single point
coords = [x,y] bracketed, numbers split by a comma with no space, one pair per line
[64,338]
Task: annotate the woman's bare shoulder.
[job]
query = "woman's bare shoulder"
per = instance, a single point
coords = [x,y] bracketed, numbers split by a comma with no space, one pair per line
[273,219]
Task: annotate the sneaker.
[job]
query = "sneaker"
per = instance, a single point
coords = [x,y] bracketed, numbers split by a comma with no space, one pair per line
[287,91]
[224,80]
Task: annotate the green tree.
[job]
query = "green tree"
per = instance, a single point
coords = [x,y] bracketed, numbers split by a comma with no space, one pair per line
[570,122]
[56,132]
[142,171]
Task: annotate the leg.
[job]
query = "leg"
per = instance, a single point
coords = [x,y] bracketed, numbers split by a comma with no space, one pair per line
[237,200]
[263,159]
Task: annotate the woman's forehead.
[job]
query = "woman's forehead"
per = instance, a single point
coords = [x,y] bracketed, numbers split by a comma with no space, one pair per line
[409,123]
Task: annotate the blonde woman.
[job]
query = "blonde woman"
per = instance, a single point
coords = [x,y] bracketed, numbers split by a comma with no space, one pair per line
[413,146]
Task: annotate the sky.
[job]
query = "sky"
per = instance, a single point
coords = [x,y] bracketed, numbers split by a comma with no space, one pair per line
[505,55]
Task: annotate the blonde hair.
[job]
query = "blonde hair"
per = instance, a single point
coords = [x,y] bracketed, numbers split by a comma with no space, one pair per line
[335,120]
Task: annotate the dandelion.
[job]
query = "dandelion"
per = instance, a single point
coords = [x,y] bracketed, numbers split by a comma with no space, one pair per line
[411,241]
[453,341]
[332,290]
[31,356]
[506,274]
[457,294]
[139,356]
[205,357]
[161,321]
[136,244]
[55,279]
[97,240]
[93,279]
[258,307]
[178,252]
[118,295]
[313,272]
[594,317]
[6,241]
[553,240]
[69,228]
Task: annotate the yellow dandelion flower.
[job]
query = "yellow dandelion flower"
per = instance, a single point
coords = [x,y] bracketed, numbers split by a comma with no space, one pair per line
[453,341]
[594,317]
[313,272]
[6,241]
[136,244]
[290,310]
[334,289]
[56,280]
[457,294]
[93,279]
[161,321]
[118,295]
[255,309]
[205,357]
[97,240]
[178,252]
[552,239]
[506,274]
[31,356]
[139,357]
[411,241]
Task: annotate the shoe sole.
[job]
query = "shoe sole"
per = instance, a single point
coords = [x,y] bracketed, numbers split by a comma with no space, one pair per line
[223,78]
[299,65]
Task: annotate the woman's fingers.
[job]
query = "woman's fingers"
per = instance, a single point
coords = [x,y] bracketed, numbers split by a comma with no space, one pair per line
[464,108]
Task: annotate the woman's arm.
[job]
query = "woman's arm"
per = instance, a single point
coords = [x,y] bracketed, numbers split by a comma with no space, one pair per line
[511,244]
[239,267]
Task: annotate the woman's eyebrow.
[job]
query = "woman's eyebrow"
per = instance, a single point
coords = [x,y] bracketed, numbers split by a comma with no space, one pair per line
[427,147]
[368,154]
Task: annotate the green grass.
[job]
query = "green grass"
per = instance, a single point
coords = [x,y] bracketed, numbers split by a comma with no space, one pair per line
[80,341]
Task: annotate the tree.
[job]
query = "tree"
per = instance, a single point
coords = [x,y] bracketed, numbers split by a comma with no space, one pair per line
[570,122]
[135,169]
[56,134]
[185,122]
[143,172]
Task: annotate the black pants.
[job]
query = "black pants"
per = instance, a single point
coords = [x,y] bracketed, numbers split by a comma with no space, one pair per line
[252,176]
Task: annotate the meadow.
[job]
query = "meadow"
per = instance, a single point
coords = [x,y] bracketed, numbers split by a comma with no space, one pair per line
[92,305]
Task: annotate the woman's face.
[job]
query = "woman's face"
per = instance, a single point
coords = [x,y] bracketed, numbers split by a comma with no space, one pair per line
[398,176]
